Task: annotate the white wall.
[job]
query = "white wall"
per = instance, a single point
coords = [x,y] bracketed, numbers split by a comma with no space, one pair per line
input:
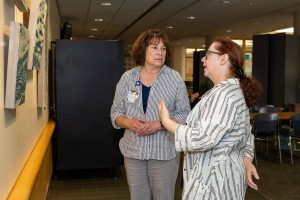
[21,127]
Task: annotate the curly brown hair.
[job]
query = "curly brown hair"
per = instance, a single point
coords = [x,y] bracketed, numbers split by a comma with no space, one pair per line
[145,39]
[250,86]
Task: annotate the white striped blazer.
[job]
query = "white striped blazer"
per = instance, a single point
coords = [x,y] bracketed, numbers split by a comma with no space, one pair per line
[215,139]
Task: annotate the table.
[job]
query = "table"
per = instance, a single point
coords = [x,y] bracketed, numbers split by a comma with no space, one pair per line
[295,107]
[281,115]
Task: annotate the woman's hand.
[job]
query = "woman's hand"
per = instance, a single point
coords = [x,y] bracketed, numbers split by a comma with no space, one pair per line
[149,128]
[250,171]
[136,125]
[163,111]
[169,124]
[139,126]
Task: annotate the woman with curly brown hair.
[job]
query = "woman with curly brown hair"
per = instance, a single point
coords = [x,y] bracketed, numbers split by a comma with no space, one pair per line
[217,138]
[150,158]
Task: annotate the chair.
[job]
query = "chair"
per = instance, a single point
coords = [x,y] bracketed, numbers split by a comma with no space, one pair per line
[268,109]
[265,127]
[293,132]
[257,106]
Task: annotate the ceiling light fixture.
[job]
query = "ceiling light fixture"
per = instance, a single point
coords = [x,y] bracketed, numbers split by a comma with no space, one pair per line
[251,3]
[98,20]
[285,30]
[191,17]
[169,27]
[105,4]
[91,36]
[225,2]
[94,29]
[228,31]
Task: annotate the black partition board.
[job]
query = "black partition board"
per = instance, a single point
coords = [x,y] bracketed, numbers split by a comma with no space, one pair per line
[87,72]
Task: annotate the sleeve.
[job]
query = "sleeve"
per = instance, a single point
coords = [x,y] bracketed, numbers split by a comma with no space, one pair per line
[218,118]
[249,147]
[118,107]
[182,104]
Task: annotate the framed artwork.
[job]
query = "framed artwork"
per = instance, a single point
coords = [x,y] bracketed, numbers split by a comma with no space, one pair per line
[16,65]
[42,76]
[36,28]
[21,5]
[9,12]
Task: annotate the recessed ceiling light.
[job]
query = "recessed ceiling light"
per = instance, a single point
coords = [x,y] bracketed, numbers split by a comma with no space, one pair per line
[105,4]
[225,2]
[98,20]
[91,36]
[251,3]
[191,17]
[169,27]
[94,29]
[228,31]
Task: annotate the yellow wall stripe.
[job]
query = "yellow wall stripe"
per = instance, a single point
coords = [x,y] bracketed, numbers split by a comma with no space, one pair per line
[25,182]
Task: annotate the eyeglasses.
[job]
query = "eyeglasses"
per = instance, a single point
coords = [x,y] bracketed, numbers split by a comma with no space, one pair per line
[208,52]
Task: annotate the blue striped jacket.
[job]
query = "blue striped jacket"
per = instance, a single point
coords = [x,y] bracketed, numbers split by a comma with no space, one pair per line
[167,86]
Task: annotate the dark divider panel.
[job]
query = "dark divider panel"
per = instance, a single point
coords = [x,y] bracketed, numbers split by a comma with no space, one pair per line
[276,69]
[276,64]
[196,71]
[198,76]
[52,82]
[201,70]
[292,70]
[87,72]
[260,64]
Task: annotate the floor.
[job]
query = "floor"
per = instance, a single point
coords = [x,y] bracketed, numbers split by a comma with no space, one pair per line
[277,182]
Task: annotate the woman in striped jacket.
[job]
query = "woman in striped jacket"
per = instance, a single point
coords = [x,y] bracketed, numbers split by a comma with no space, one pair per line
[217,139]
[150,158]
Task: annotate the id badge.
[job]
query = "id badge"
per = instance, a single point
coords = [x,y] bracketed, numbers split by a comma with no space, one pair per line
[132,96]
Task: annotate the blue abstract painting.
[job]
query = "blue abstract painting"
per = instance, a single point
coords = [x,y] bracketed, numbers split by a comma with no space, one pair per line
[17,65]
[38,13]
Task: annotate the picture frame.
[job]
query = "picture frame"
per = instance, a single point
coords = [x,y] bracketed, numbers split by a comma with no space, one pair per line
[21,5]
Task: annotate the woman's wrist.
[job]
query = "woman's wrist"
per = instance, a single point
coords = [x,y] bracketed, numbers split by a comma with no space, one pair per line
[161,127]
[247,160]
[170,125]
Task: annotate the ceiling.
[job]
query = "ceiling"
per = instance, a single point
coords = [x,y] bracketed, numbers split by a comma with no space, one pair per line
[125,19]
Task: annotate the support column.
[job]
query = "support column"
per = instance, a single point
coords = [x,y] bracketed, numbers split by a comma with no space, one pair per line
[296,16]
[178,60]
